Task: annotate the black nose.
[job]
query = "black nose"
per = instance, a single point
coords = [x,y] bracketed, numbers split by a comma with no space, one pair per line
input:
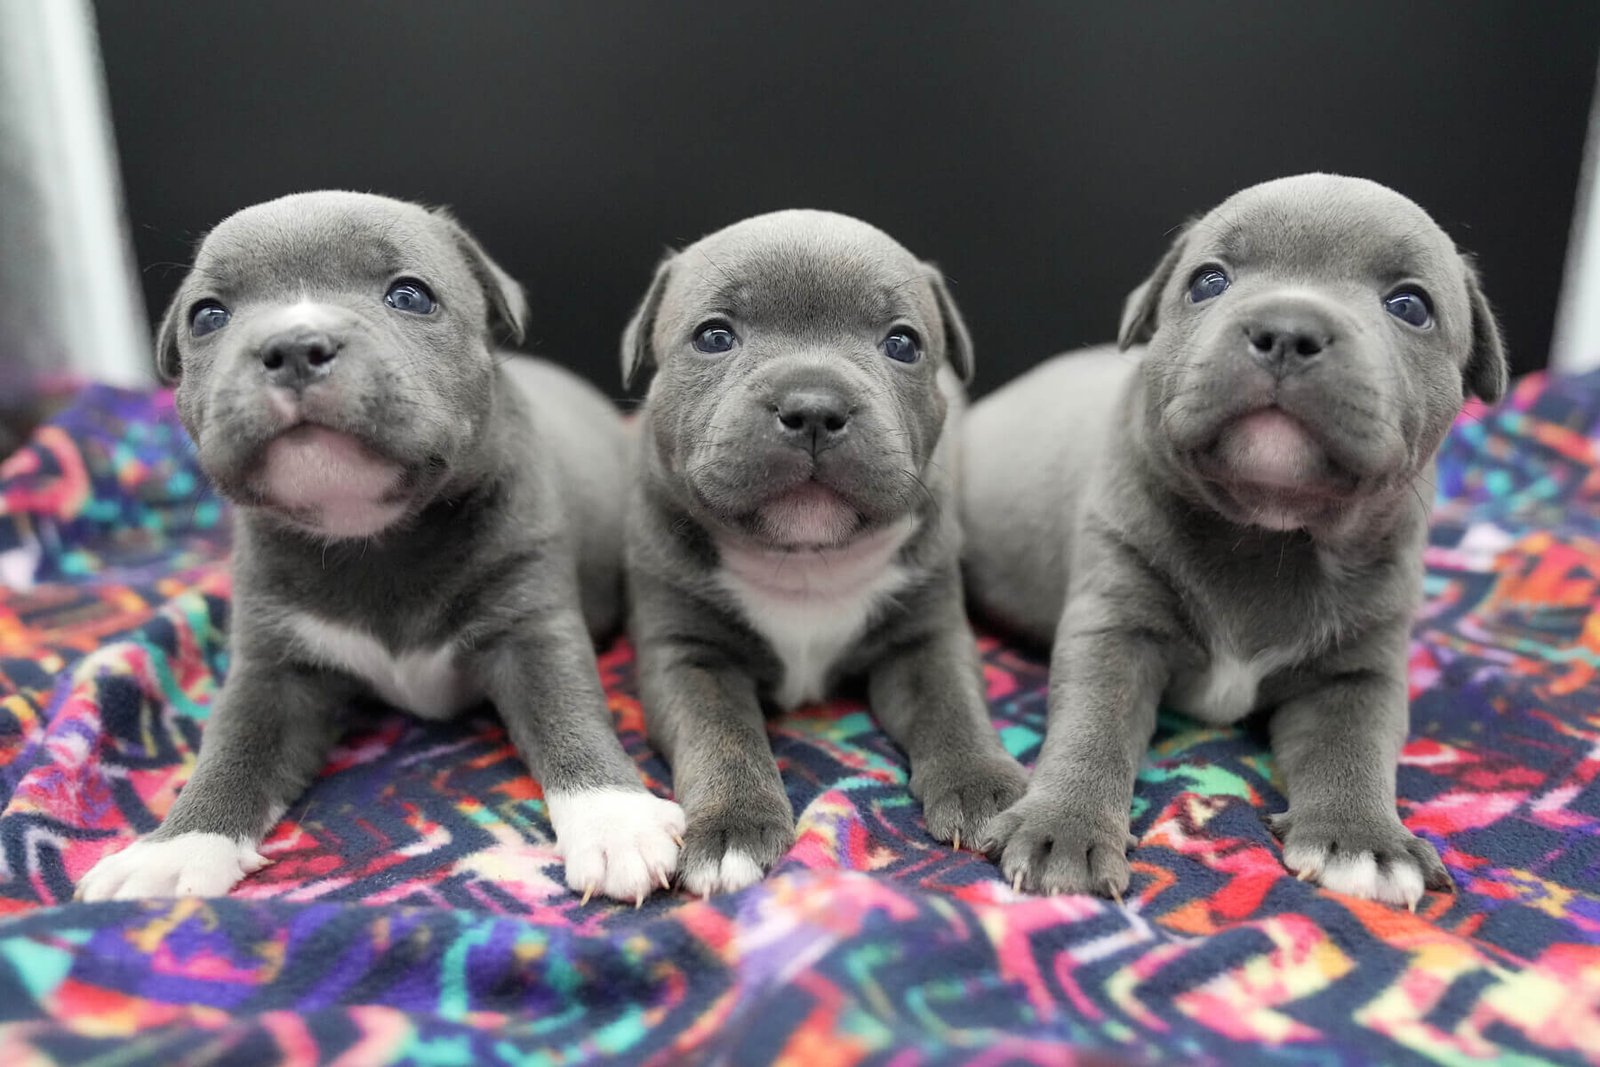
[811,418]
[1288,341]
[298,359]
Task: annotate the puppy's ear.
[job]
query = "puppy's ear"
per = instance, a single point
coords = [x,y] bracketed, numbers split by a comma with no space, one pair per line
[1487,374]
[169,364]
[957,341]
[1139,311]
[508,307]
[638,350]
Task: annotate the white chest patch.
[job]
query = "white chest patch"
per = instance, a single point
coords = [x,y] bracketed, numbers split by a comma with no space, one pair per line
[812,605]
[427,682]
[1227,690]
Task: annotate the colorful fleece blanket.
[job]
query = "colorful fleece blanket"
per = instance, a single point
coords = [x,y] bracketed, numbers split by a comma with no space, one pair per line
[414,911]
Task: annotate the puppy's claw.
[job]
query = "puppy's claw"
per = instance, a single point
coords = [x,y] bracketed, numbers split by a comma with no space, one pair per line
[955,841]
[1116,896]
[677,839]
[662,881]
[1016,882]
[588,891]
[638,901]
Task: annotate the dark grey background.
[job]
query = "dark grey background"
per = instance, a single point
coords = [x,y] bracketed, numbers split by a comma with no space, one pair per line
[1037,151]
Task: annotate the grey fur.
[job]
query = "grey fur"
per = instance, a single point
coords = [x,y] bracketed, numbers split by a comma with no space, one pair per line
[811,296]
[506,541]
[1105,511]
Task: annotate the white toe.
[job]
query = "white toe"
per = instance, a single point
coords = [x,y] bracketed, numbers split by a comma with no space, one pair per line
[1357,875]
[702,879]
[618,842]
[203,865]
[737,870]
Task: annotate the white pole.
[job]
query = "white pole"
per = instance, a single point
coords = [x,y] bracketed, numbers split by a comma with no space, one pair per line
[70,306]
[1576,345]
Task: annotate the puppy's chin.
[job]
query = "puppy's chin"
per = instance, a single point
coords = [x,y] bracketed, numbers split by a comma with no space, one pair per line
[1271,450]
[330,483]
[808,516]
[1267,470]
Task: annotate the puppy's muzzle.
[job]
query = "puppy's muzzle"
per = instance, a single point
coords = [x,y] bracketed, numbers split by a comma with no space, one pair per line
[812,417]
[298,359]
[1289,338]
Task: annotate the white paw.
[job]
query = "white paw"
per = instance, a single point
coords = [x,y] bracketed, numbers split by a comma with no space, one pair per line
[622,843]
[189,865]
[1399,881]
[734,872]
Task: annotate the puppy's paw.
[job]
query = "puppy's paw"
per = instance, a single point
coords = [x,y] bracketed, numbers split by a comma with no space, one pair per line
[622,843]
[727,850]
[1377,859]
[186,865]
[959,799]
[1044,845]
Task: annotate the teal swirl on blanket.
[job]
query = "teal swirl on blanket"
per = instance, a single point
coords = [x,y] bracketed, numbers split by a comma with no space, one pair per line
[415,913]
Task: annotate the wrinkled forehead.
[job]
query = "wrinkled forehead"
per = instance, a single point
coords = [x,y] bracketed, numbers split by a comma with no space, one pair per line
[1359,235]
[802,285]
[311,249]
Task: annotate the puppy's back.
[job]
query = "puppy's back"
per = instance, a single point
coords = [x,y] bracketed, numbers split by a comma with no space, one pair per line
[582,436]
[1028,451]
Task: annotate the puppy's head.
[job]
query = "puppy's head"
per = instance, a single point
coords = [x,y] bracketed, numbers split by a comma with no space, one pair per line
[334,356]
[1310,341]
[798,396]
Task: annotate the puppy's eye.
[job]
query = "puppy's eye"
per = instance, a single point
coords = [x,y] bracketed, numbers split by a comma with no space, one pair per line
[1207,283]
[902,346]
[1410,307]
[714,338]
[410,296]
[209,317]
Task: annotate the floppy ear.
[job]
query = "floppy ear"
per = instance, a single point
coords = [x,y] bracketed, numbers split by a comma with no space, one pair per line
[508,307]
[957,341]
[1139,310]
[169,364]
[1486,375]
[638,351]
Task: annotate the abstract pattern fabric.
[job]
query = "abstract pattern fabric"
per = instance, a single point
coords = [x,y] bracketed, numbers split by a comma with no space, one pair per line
[414,910]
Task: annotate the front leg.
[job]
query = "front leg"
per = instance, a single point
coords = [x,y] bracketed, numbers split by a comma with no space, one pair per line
[1069,834]
[1338,747]
[1114,645]
[267,737]
[704,715]
[614,834]
[928,695]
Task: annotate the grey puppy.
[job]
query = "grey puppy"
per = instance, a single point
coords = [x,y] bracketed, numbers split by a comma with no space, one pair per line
[1232,519]
[793,525]
[419,518]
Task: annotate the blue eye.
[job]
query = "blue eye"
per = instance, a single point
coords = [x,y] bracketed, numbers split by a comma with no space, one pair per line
[902,347]
[715,338]
[209,317]
[410,296]
[1410,308]
[1207,283]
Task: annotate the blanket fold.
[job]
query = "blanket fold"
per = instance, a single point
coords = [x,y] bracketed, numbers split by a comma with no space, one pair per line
[414,910]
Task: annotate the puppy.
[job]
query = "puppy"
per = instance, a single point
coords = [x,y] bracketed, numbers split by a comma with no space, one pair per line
[793,525]
[419,518]
[1230,517]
